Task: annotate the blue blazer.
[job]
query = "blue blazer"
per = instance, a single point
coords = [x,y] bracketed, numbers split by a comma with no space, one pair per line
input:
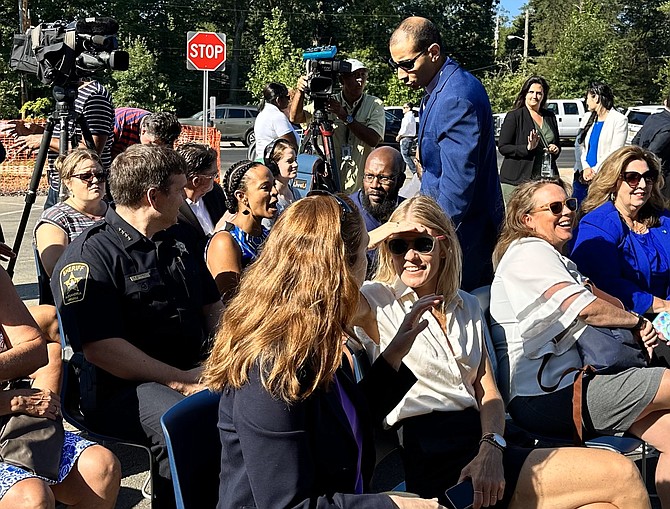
[304,455]
[458,155]
[610,256]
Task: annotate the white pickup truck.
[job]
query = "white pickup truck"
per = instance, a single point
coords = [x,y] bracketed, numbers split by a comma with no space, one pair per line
[569,114]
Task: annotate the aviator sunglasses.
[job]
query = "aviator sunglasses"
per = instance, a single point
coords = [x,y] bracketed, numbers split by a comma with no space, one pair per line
[556,207]
[88,176]
[423,245]
[632,178]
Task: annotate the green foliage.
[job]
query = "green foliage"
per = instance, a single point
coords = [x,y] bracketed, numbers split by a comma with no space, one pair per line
[39,108]
[277,60]
[398,93]
[141,86]
[503,86]
[10,92]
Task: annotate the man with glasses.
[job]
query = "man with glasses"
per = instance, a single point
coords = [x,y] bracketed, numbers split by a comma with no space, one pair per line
[383,177]
[456,147]
[199,211]
[358,122]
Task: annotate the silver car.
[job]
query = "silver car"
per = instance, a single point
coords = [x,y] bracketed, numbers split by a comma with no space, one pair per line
[234,122]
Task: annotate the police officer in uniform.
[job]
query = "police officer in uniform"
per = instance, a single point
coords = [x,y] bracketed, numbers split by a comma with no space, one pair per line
[139,303]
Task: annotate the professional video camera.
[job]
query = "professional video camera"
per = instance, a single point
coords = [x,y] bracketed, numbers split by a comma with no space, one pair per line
[62,52]
[322,71]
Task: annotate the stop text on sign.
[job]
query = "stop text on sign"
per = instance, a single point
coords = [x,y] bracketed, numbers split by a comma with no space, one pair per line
[205,51]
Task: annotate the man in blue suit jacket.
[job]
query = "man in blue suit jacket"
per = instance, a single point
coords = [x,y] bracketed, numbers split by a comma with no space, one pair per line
[456,143]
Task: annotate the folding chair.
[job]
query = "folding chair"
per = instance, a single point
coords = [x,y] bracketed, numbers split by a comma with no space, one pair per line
[194,449]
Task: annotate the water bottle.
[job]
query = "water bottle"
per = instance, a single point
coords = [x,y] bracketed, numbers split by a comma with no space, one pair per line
[546,172]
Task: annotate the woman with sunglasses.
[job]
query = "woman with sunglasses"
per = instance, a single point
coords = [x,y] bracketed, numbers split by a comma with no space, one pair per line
[529,137]
[82,174]
[295,427]
[453,418]
[546,311]
[622,243]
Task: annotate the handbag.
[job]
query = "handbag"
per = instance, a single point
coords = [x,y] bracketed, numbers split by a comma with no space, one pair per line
[32,443]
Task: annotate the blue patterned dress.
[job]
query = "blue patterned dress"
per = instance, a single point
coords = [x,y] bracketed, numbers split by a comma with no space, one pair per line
[250,245]
[72,448]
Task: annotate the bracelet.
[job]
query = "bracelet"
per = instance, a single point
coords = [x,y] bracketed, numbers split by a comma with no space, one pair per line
[489,440]
[640,321]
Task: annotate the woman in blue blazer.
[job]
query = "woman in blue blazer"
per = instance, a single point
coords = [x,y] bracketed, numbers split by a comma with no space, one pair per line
[295,428]
[528,133]
[623,241]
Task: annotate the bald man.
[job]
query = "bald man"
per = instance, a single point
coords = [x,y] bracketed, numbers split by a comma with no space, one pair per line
[455,143]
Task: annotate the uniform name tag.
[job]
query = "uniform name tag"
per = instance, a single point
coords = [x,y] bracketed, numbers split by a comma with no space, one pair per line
[140,277]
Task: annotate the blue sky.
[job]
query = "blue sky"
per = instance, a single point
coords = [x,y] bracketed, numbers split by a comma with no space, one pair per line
[513,6]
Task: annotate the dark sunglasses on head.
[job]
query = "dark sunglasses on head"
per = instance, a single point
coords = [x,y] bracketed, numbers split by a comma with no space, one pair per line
[422,245]
[88,176]
[556,207]
[632,178]
[405,65]
[344,206]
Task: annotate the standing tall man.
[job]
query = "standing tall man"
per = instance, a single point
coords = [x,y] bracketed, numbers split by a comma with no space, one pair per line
[456,144]
[655,137]
[358,125]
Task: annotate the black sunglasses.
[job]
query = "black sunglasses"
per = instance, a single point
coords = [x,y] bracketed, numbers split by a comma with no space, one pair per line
[344,206]
[556,207]
[405,65]
[88,176]
[632,178]
[422,245]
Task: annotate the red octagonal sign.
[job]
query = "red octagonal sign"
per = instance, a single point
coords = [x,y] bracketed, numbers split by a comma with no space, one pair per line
[205,51]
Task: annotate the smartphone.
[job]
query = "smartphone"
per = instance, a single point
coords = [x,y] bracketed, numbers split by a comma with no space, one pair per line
[461,496]
[662,324]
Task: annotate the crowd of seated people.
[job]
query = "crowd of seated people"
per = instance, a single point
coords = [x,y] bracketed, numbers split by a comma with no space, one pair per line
[296,428]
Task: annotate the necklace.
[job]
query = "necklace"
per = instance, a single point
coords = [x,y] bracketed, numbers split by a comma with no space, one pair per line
[635,226]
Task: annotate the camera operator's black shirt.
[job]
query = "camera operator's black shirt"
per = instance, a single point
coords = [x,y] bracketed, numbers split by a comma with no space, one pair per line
[113,282]
[94,103]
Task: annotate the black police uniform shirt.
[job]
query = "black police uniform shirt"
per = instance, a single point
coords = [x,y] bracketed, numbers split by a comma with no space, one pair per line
[112,281]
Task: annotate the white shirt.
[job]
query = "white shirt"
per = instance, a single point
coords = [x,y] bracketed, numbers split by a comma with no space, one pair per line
[202,214]
[445,366]
[408,125]
[271,124]
[523,317]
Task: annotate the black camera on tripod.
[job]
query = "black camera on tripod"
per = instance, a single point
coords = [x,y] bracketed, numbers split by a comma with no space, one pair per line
[60,52]
[323,71]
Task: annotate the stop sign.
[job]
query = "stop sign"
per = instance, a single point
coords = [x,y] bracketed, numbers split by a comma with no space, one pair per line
[205,51]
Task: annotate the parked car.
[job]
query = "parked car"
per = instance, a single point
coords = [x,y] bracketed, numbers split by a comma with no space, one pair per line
[637,115]
[569,114]
[234,122]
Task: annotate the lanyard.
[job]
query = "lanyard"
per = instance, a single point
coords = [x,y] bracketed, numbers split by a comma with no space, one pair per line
[353,114]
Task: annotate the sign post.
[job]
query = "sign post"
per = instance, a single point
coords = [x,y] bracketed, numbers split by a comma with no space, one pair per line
[205,51]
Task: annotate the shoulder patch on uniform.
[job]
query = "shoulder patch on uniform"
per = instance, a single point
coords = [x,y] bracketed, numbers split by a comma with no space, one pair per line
[72,279]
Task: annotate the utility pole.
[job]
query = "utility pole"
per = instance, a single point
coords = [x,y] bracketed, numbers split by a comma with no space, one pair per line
[24,23]
[526,36]
[496,36]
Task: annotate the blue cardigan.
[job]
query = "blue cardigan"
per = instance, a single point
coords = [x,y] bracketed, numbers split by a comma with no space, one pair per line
[606,253]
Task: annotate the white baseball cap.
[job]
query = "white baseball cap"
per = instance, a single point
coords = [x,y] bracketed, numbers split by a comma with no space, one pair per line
[356,64]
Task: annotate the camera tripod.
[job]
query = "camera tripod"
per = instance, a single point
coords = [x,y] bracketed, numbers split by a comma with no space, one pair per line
[64,114]
[320,126]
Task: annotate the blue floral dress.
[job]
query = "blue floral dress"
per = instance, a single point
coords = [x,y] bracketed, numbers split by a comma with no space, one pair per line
[72,448]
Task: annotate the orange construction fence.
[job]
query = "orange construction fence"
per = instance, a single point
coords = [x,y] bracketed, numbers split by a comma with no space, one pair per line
[17,169]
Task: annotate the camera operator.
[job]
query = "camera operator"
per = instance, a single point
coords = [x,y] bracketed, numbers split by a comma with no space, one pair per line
[94,103]
[358,125]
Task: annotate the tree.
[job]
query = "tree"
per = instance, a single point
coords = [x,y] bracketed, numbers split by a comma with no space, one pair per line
[277,59]
[141,86]
[399,94]
[504,85]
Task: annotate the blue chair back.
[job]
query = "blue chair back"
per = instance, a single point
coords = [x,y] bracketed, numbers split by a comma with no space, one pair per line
[194,449]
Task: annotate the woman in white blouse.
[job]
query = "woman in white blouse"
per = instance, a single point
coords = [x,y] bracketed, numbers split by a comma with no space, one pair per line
[453,418]
[543,305]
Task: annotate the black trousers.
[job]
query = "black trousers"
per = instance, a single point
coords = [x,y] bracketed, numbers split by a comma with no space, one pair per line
[135,416]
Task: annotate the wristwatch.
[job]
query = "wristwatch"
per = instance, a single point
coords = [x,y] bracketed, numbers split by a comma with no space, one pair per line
[348,120]
[495,439]
[640,321]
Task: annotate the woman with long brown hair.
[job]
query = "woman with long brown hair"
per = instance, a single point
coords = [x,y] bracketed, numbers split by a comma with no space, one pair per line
[296,430]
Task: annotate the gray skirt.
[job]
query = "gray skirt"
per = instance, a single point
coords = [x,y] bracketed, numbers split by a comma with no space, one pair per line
[613,404]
